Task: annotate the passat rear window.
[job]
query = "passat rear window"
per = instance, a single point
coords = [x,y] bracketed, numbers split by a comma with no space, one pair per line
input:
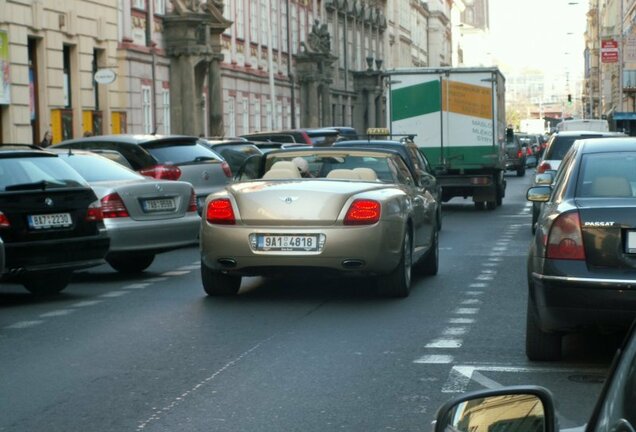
[48,172]
[181,152]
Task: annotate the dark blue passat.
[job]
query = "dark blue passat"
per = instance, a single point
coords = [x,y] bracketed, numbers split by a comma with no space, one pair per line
[582,261]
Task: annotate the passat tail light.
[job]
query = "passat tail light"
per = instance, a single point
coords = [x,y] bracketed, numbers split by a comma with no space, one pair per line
[363,212]
[226,169]
[162,172]
[220,212]
[543,167]
[192,205]
[94,212]
[113,206]
[565,240]
[4,221]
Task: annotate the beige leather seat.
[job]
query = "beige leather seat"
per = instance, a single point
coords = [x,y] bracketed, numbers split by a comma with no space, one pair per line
[611,187]
[284,165]
[340,173]
[366,173]
[282,173]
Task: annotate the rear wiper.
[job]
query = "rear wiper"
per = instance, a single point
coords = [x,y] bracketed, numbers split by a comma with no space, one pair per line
[204,158]
[42,184]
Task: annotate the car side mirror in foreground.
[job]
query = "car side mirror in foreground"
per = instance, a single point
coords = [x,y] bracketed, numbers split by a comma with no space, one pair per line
[544,179]
[508,409]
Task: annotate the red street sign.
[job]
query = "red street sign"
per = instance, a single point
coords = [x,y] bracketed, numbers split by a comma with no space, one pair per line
[609,51]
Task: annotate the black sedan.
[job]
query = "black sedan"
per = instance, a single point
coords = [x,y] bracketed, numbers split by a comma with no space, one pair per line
[582,261]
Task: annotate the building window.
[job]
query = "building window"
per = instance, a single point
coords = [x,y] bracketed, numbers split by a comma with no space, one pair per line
[227,14]
[240,19]
[66,83]
[231,114]
[257,114]
[166,111]
[146,108]
[160,7]
[294,28]
[283,30]
[253,22]
[288,116]
[264,25]
[246,116]
[268,114]
[139,4]
[274,25]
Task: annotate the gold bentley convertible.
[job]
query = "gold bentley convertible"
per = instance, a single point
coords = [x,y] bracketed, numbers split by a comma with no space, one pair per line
[321,211]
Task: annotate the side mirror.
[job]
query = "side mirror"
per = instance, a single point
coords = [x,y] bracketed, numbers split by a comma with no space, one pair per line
[545,178]
[539,194]
[521,408]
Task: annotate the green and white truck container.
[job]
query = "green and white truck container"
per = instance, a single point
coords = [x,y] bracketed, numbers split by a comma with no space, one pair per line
[458,119]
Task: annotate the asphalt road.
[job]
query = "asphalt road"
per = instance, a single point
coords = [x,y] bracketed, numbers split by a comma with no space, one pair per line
[153,353]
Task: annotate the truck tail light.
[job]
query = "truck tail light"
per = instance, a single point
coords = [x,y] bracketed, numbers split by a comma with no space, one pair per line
[162,172]
[363,212]
[113,206]
[565,240]
[219,211]
[4,221]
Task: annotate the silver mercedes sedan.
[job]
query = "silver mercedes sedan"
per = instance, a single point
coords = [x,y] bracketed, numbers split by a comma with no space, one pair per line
[143,216]
[320,211]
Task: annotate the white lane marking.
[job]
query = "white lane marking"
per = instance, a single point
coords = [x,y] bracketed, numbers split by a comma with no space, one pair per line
[175,273]
[435,359]
[484,278]
[86,303]
[471,302]
[114,294]
[460,376]
[56,313]
[466,311]
[444,343]
[489,264]
[495,259]
[136,286]
[156,279]
[159,412]
[454,331]
[478,285]
[190,267]
[461,321]
[24,324]
[500,249]
[474,293]
[488,271]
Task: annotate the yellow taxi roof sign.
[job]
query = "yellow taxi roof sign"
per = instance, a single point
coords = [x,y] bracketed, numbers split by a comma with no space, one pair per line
[378,131]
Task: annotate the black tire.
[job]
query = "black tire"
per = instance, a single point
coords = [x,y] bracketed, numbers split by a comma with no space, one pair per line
[535,219]
[398,282]
[439,217]
[540,346]
[219,284]
[130,262]
[429,264]
[491,205]
[47,283]
[521,171]
[479,205]
[500,193]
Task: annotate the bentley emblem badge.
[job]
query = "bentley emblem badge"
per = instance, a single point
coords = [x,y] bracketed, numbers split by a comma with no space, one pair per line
[159,188]
[48,202]
[288,199]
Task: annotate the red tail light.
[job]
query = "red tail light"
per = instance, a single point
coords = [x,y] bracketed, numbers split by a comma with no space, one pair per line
[566,239]
[113,206]
[192,205]
[363,212]
[529,151]
[226,169]
[94,213]
[162,172]
[220,212]
[543,167]
[519,154]
[4,221]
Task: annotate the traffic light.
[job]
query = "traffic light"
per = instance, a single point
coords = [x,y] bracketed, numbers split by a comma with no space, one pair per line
[569,99]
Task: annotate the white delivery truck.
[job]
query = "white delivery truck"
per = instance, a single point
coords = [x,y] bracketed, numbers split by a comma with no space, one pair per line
[458,119]
[594,125]
[532,126]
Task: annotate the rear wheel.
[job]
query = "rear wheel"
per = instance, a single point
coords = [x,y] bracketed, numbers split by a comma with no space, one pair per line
[398,282]
[130,262]
[521,171]
[219,284]
[540,346]
[491,205]
[429,265]
[47,283]
[479,205]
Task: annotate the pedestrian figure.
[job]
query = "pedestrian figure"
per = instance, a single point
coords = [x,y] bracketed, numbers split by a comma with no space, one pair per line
[47,140]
